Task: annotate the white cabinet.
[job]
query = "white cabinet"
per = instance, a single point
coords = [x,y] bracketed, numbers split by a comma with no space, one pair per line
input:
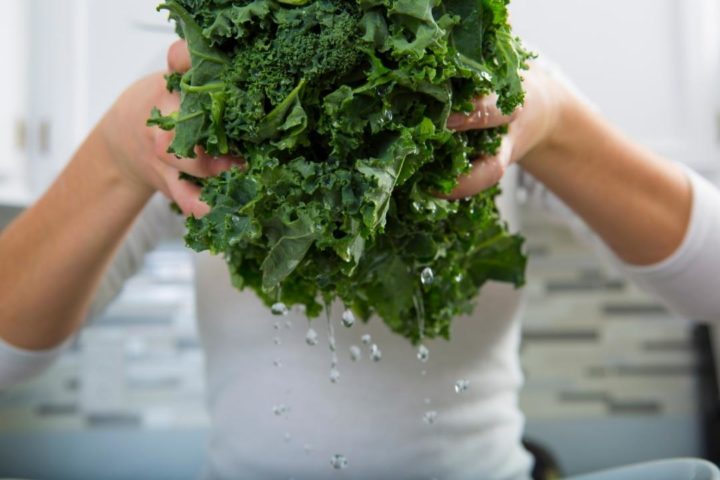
[13,51]
[84,53]
[651,66]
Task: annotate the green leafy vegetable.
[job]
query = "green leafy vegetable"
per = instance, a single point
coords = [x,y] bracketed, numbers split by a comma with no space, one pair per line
[340,109]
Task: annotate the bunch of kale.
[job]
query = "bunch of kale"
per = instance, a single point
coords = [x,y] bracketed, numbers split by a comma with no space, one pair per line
[340,109]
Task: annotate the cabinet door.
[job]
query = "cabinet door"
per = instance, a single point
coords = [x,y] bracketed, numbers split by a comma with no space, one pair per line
[13,51]
[651,66]
[127,40]
[84,53]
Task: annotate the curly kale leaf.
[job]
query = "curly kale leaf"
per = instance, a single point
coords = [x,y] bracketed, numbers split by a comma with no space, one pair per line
[340,109]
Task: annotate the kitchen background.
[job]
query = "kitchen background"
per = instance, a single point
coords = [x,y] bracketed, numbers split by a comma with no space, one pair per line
[612,378]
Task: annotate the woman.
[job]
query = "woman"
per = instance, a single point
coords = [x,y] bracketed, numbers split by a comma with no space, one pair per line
[661,221]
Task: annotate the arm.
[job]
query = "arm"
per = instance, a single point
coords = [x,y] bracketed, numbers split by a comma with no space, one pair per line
[55,254]
[638,203]
[661,221]
[155,223]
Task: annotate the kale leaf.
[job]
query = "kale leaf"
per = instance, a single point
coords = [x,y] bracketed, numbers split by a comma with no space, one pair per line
[340,109]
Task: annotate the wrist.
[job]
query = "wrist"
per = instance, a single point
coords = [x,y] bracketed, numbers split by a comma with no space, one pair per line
[560,113]
[121,151]
[110,155]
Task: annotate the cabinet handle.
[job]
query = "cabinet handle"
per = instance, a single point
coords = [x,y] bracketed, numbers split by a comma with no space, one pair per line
[20,135]
[44,137]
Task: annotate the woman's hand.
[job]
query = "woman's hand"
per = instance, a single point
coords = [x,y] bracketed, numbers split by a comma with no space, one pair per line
[140,152]
[534,127]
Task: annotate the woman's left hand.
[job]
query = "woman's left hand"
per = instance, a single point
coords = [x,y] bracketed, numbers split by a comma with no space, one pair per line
[533,127]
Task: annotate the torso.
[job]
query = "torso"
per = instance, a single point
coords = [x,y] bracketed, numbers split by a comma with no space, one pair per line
[374,414]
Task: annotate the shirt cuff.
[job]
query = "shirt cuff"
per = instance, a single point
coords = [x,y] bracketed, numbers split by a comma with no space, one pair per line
[705,199]
[687,281]
[18,365]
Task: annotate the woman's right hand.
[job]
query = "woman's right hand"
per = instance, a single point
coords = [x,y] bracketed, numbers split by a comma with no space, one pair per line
[141,152]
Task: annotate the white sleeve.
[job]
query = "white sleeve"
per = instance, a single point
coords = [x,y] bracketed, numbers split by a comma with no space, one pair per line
[689,281]
[155,224]
[17,365]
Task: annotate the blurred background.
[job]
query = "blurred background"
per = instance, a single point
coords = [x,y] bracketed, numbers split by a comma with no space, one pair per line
[612,378]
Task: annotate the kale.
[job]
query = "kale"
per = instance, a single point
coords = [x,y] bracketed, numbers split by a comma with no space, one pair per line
[340,109]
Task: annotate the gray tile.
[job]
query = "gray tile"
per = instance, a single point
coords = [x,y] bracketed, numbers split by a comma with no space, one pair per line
[53,409]
[585,285]
[154,383]
[634,309]
[72,384]
[657,370]
[583,397]
[640,407]
[112,420]
[556,335]
[644,371]
[668,346]
[188,344]
[538,251]
[133,320]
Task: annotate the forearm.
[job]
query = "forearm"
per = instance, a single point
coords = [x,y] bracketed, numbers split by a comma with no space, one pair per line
[54,255]
[639,204]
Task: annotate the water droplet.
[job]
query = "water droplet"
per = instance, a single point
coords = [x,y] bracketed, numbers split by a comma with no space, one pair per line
[279,309]
[459,278]
[348,318]
[428,401]
[334,375]
[423,373]
[301,309]
[462,386]
[307,448]
[276,326]
[339,462]
[288,437]
[277,362]
[430,417]
[366,339]
[280,410]
[355,353]
[277,341]
[330,330]
[288,325]
[375,353]
[311,338]
[423,354]
[427,276]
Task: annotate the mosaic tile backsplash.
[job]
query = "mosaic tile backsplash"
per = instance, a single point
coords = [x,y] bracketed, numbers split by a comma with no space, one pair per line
[598,355]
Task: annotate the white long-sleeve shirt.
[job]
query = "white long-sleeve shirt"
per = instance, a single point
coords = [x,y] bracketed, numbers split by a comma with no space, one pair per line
[373,415]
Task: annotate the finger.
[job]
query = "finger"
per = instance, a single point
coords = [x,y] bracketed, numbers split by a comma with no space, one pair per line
[178,57]
[485,173]
[219,164]
[202,166]
[186,195]
[486,115]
